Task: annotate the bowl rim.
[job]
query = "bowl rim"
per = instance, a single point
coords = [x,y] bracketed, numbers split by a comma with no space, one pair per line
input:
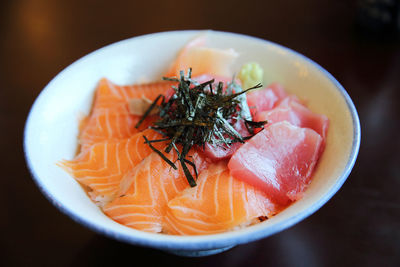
[204,242]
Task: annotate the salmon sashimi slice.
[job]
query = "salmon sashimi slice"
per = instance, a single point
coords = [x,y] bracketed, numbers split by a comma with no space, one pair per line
[279,160]
[110,95]
[203,59]
[101,166]
[218,203]
[107,125]
[110,117]
[146,190]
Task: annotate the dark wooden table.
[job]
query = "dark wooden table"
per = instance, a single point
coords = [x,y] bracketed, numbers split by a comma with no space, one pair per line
[359,226]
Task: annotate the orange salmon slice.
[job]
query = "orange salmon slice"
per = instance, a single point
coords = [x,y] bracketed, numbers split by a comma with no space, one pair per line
[110,117]
[218,203]
[101,166]
[146,190]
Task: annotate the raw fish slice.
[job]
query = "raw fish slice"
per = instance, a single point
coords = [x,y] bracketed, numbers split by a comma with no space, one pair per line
[102,165]
[146,190]
[110,117]
[278,89]
[110,95]
[218,203]
[107,125]
[203,60]
[215,153]
[279,114]
[219,152]
[266,98]
[297,115]
[278,160]
[285,102]
[309,119]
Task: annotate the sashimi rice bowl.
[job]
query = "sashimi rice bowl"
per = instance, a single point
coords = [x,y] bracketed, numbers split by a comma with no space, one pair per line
[191,141]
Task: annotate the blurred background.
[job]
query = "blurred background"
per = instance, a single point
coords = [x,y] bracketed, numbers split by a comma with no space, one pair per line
[356,41]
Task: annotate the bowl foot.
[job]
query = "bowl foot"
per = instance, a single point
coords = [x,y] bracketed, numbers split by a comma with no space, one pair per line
[198,253]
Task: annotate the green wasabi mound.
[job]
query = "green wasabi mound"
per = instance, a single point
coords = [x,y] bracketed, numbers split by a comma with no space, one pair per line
[251,74]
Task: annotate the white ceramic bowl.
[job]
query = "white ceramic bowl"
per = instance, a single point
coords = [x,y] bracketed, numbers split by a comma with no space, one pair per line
[52,127]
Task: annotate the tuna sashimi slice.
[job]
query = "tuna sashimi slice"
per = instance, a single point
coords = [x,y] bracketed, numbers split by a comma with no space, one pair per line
[218,203]
[286,101]
[146,190]
[216,152]
[298,115]
[266,98]
[101,166]
[278,160]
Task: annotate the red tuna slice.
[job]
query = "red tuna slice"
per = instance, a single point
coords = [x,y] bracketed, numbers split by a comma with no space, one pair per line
[215,153]
[297,115]
[285,102]
[279,114]
[278,160]
[278,90]
[266,98]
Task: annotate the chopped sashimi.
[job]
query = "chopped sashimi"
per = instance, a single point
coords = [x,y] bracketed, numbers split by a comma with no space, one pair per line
[298,115]
[246,174]
[278,160]
[216,152]
[110,95]
[107,125]
[110,117]
[102,165]
[266,98]
[146,190]
[278,89]
[279,114]
[218,203]
[285,102]
[317,122]
[203,59]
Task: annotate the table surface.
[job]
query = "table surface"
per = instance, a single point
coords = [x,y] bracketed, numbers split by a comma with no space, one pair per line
[359,226]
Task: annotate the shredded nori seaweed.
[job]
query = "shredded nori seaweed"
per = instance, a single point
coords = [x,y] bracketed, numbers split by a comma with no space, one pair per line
[197,114]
